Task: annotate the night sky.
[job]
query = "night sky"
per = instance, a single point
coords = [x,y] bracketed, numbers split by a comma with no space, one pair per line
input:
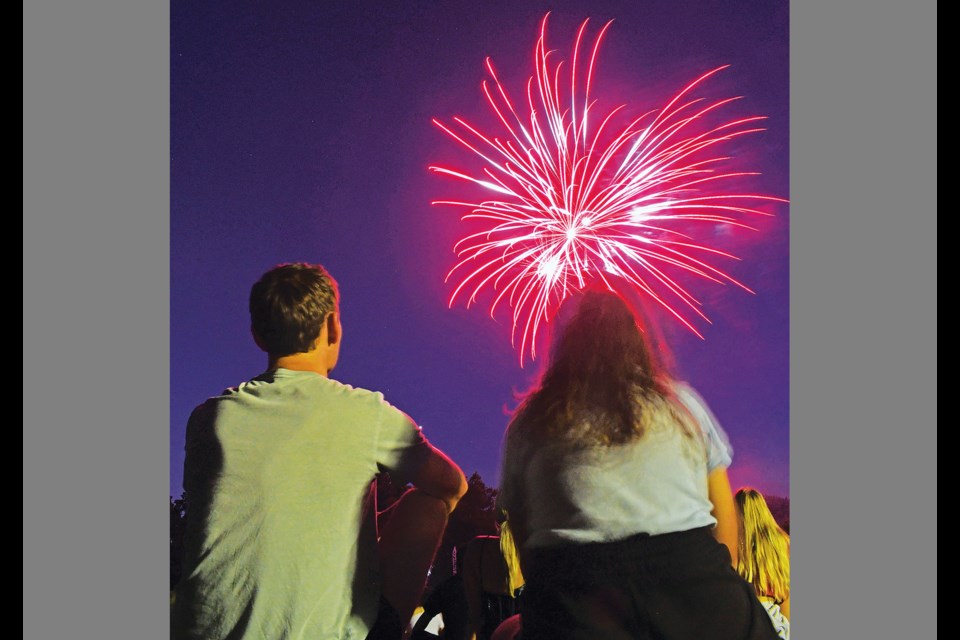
[301,131]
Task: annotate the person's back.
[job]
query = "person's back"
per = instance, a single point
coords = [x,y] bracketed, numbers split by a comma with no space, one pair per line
[764,559]
[615,478]
[591,493]
[281,535]
[287,523]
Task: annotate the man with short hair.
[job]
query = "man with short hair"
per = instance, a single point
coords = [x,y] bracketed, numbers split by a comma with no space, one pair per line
[282,537]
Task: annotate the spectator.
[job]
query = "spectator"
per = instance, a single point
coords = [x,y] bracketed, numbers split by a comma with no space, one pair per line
[764,557]
[281,536]
[615,479]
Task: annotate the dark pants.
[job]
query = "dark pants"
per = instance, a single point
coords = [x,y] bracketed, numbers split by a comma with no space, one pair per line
[676,586]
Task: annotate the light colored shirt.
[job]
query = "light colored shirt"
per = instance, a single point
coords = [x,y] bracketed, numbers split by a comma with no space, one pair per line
[281,539]
[654,484]
[780,622]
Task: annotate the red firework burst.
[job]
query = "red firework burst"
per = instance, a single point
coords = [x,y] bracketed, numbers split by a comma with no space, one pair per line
[574,198]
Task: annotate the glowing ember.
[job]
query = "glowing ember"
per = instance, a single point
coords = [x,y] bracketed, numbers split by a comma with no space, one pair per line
[575,201]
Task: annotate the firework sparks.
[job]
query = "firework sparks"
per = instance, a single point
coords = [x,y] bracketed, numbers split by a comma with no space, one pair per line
[574,198]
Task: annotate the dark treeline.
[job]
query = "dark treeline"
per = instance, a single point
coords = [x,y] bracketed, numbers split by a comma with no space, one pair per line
[474,516]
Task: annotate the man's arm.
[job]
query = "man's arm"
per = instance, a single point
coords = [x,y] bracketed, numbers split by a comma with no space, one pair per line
[440,477]
[409,539]
[405,452]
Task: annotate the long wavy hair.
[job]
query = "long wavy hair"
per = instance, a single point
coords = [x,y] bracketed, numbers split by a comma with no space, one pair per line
[764,555]
[604,373]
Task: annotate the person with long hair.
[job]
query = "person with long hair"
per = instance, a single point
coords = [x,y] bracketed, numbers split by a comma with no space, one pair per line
[492,581]
[764,556]
[614,475]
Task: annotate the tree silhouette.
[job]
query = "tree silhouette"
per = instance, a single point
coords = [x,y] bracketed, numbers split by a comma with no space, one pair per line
[474,516]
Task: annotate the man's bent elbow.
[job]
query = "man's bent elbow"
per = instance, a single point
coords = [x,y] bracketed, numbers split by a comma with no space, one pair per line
[462,489]
[441,478]
[456,491]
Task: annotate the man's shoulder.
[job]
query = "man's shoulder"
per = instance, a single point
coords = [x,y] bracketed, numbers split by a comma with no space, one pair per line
[349,390]
[262,392]
[287,379]
[204,410]
[348,394]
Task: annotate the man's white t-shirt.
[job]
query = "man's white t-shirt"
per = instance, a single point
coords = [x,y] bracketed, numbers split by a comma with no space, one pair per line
[281,523]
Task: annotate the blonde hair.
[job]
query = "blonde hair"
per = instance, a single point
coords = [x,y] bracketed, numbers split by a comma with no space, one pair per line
[764,554]
[508,549]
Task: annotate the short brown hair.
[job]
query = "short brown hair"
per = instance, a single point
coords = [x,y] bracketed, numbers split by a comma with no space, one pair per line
[288,306]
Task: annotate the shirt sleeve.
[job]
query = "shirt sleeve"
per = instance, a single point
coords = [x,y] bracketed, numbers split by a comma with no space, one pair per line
[401,446]
[719,450]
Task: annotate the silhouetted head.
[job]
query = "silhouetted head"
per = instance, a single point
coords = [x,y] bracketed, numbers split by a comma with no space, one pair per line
[603,364]
[289,306]
[598,334]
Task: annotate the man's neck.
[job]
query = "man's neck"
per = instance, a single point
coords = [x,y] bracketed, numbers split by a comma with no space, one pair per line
[311,361]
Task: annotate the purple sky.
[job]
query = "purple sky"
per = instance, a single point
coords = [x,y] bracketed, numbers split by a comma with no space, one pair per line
[301,131]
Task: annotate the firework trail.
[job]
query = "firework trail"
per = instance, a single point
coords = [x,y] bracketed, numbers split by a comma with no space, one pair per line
[574,198]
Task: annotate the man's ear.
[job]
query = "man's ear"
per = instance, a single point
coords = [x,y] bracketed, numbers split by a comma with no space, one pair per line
[334,330]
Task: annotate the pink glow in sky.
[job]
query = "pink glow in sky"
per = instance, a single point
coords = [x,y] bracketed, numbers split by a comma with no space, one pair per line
[570,196]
